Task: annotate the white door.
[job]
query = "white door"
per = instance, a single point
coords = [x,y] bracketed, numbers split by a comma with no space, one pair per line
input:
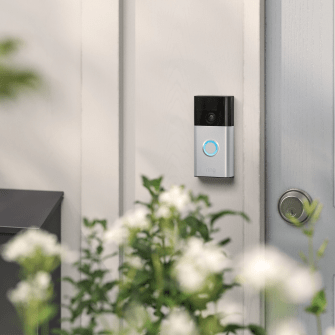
[299,127]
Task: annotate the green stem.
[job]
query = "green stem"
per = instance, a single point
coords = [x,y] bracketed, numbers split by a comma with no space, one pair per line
[311,253]
[45,328]
[313,269]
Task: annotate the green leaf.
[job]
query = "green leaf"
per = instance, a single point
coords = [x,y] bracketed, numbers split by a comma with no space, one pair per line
[308,232]
[152,184]
[322,248]
[303,257]
[70,280]
[9,46]
[216,216]
[197,226]
[143,203]
[225,241]
[210,325]
[232,328]
[294,220]
[200,198]
[257,330]
[100,249]
[318,304]
[60,332]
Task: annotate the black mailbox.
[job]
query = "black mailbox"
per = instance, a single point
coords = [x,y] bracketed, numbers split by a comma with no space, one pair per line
[22,209]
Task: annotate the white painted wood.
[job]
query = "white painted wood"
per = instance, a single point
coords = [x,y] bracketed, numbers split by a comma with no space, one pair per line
[186,48]
[41,134]
[253,138]
[66,137]
[128,104]
[100,188]
[100,109]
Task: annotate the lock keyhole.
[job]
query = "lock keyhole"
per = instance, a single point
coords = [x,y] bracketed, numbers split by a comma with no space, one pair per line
[292,212]
[291,203]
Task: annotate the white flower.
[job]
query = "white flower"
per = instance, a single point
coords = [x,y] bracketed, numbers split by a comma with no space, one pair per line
[268,267]
[302,285]
[289,327]
[189,277]
[117,234]
[231,311]
[176,197]
[330,331]
[135,261]
[21,293]
[25,244]
[163,211]
[136,219]
[33,289]
[197,262]
[178,322]
[42,280]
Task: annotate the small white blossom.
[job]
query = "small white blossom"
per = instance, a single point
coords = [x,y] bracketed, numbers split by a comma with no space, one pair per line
[42,280]
[189,277]
[289,327]
[117,234]
[330,331]
[302,285]
[197,262]
[25,244]
[136,219]
[176,197]
[33,289]
[135,261]
[231,311]
[178,322]
[163,211]
[268,267]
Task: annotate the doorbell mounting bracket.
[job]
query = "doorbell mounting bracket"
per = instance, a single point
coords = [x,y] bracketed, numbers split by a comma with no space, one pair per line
[214,136]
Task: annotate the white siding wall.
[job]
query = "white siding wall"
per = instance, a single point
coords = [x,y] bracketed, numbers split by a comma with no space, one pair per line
[67,138]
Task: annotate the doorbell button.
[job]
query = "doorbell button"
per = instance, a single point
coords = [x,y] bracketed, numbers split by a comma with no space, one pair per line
[210,148]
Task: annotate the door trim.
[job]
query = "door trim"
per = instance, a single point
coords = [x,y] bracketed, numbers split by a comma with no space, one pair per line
[254,140]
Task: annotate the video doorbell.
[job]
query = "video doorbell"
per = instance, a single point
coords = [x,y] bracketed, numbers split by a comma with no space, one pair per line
[214,136]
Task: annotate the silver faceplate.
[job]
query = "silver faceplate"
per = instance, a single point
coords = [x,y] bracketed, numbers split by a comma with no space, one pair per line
[220,165]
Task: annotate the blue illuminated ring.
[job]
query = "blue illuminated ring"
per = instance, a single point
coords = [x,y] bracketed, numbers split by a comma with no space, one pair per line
[216,148]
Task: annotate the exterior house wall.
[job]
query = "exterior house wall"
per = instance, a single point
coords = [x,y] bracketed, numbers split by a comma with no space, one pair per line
[109,114]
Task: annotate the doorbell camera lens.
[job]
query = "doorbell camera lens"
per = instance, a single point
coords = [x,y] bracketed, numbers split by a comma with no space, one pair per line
[211,117]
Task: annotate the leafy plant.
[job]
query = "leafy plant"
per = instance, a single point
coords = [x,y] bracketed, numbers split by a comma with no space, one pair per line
[91,296]
[175,268]
[319,302]
[38,254]
[172,270]
[14,80]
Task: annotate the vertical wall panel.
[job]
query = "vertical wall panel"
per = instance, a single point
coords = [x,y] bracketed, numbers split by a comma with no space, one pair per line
[186,48]
[41,133]
[100,117]
[253,139]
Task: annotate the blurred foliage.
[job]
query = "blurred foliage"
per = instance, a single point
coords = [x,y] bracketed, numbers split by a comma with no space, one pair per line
[319,301]
[13,79]
[149,291]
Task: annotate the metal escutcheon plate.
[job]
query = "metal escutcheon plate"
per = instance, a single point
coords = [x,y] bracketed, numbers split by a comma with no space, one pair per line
[291,202]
